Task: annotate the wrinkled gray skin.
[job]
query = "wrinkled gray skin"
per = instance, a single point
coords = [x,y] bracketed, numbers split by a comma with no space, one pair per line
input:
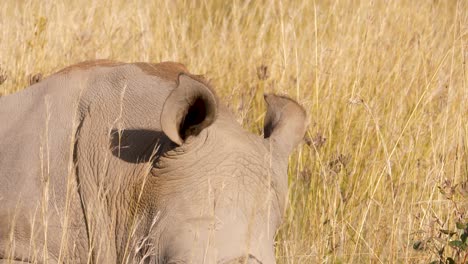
[107,162]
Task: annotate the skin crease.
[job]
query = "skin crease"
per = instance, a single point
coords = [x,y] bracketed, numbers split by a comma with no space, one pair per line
[109,162]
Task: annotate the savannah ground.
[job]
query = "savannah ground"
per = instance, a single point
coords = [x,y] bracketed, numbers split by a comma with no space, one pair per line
[382,175]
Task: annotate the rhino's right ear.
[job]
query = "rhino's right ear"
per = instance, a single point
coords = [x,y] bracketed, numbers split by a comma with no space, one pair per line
[189,108]
[285,123]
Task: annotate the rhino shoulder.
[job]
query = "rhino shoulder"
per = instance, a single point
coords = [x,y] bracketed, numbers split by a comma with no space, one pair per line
[89,64]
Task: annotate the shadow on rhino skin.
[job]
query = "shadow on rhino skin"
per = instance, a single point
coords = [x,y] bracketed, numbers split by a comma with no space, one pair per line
[140,145]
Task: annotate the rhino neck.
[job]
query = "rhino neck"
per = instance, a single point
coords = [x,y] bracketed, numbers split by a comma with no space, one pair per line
[114,124]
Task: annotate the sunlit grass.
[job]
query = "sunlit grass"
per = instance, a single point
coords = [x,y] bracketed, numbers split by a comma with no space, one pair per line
[384,83]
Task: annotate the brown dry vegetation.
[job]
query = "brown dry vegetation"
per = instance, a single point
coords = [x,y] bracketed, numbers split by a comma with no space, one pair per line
[384,165]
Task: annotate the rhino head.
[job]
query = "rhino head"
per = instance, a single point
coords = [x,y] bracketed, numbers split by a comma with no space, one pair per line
[227,187]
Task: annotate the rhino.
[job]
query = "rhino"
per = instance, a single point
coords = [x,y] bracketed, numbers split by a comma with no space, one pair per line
[112,162]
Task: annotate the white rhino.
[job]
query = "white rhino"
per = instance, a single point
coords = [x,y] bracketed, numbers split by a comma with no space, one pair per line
[109,162]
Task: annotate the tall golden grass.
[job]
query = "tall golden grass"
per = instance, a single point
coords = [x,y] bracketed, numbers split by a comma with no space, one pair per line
[384,166]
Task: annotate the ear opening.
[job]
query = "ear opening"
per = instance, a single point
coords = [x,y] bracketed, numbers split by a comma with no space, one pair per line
[189,108]
[193,121]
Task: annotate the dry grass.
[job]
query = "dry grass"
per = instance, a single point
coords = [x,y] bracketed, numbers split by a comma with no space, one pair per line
[384,82]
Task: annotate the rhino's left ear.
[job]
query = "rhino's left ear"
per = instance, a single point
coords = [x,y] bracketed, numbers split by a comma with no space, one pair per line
[189,108]
[285,122]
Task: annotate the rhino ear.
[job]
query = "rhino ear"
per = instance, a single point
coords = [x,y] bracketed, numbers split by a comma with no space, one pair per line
[285,122]
[189,108]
